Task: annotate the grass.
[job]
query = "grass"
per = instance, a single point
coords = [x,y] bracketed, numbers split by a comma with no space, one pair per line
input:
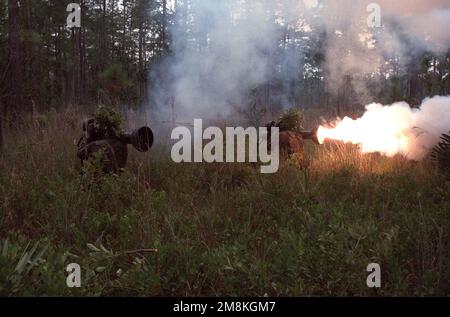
[220,230]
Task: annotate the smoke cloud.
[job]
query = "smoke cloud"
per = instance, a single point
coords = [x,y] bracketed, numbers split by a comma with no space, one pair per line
[409,28]
[217,61]
[395,129]
[224,50]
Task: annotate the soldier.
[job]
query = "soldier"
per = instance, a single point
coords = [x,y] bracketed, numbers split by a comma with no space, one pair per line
[114,152]
[290,142]
[292,137]
[102,135]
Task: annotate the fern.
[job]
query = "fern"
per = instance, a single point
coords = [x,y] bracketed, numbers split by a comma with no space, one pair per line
[441,153]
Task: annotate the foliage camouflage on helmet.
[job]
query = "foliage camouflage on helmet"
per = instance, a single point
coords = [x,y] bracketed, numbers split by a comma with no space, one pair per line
[291,120]
[107,122]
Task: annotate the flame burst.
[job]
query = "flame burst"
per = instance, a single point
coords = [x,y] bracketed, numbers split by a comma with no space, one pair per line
[395,129]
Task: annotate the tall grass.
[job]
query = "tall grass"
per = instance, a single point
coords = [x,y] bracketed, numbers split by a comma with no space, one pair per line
[220,229]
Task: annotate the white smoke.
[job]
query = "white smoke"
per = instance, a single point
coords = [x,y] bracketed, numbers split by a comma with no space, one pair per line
[220,59]
[223,50]
[409,28]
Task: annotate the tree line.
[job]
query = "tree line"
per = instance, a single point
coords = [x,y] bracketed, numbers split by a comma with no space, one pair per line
[45,64]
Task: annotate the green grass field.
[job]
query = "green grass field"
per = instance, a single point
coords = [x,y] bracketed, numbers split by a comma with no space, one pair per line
[220,230]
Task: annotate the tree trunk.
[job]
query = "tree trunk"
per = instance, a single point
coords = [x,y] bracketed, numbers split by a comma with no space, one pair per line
[76,65]
[15,58]
[1,127]
[124,34]
[103,46]
[164,27]
[141,77]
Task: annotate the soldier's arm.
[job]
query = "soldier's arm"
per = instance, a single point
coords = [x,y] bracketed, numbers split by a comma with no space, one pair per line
[82,152]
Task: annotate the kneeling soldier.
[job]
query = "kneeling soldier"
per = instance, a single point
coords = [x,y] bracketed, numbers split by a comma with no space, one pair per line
[103,135]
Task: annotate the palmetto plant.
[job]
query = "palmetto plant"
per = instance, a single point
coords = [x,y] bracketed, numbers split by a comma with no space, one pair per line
[441,152]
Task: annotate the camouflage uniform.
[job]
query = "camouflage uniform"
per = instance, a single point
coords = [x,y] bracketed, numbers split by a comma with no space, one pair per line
[291,143]
[114,152]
